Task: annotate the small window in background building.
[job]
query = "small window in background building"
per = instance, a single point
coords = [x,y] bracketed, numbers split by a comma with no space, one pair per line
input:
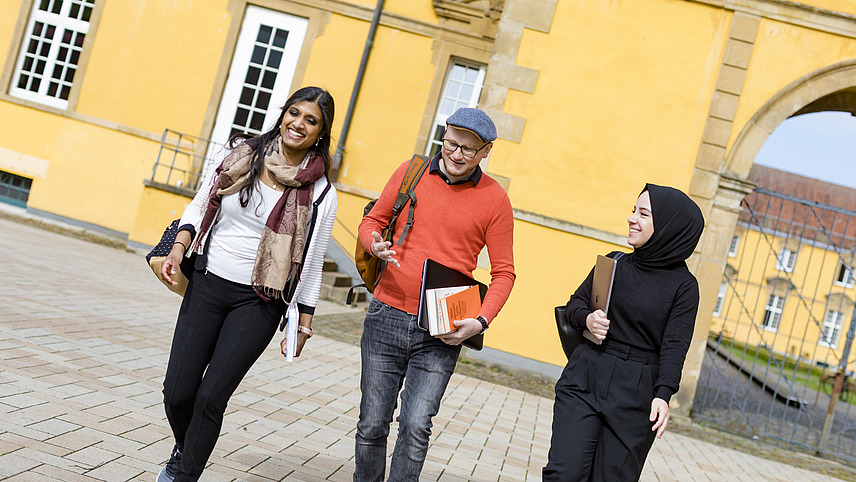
[844,277]
[720,299]
[14,189]
[831,328]
[732,250]
[773,313]
[786,261]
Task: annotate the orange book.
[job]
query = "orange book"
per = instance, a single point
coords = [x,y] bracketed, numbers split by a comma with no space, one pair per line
[460,306]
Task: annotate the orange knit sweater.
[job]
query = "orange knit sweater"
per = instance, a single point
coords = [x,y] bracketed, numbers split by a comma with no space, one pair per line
[452,223]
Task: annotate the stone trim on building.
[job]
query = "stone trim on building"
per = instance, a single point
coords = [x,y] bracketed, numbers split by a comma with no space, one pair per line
[503,72]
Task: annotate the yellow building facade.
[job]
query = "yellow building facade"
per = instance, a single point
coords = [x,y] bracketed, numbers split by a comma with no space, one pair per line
[591,98]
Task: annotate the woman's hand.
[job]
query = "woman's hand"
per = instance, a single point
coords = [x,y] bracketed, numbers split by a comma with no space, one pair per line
[659,415]
[597,324]
[381,249]
[305,319]
[301,340]
[170,265]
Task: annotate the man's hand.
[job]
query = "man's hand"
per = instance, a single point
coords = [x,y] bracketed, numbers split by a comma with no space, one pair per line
[381,249]
[597,324]
[659,415]
[464,329]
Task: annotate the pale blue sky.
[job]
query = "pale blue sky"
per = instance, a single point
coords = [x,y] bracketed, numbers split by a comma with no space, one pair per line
[821,145]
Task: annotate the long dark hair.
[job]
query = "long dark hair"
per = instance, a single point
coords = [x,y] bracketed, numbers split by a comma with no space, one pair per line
[259,144]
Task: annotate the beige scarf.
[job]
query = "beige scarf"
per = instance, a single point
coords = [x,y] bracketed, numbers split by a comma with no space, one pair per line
[280,251]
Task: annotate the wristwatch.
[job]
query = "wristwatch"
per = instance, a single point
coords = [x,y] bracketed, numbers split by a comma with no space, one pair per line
[308,331]
[484,323]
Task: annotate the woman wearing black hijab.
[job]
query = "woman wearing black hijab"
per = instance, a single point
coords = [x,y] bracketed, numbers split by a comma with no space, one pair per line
[613,399]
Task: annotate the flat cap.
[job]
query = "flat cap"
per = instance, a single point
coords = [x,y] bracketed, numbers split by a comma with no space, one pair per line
[475,121]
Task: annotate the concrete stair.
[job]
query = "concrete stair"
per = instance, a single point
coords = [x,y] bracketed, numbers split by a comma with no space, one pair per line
[335,285]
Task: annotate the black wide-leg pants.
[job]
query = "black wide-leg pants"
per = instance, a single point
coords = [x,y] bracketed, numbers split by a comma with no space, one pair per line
[222,329]
[601,430]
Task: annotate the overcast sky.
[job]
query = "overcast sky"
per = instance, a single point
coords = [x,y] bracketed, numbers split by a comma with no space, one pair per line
[821,145]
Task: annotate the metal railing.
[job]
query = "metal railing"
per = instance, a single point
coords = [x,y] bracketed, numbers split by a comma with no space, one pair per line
[778,373]
[182,159]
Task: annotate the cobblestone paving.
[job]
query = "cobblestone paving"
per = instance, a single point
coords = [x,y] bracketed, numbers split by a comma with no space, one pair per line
[84,337]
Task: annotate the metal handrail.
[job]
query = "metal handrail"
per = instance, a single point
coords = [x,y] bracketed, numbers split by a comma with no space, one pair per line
[182,159]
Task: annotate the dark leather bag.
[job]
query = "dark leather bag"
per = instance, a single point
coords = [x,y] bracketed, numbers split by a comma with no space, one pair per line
[568,335]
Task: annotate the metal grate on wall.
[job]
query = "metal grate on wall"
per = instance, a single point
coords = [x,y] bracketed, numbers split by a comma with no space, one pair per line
[14,189]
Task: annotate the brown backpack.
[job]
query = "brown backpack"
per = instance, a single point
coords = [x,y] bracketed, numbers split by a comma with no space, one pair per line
[370,267]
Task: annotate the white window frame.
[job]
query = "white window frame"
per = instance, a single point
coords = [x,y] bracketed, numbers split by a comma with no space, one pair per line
[720,299]
[49,51]
[254,18]
[830,329]
[773,313]
[450,100]
[844,276]
[786,260]
[732,248]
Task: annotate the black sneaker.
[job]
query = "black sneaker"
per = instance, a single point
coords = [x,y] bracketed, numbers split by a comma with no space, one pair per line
[169,471]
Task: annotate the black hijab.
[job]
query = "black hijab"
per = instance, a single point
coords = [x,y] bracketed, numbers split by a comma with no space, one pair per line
[678,224]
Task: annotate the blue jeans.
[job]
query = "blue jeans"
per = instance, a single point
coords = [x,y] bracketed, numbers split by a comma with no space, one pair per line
[395,349]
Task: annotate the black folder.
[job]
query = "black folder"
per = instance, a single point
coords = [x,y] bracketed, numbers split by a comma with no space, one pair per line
[436,275]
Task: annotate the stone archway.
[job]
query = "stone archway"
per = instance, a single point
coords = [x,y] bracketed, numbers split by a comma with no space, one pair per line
[832,88]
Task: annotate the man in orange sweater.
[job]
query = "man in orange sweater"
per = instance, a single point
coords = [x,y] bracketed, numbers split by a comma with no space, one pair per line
[459,211]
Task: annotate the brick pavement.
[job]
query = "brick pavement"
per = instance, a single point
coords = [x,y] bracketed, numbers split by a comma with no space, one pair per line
[84,338]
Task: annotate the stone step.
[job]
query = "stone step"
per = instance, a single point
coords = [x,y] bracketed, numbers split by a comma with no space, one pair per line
[335,279]
[329,265]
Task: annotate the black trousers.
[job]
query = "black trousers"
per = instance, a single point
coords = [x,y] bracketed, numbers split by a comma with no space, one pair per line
[601,430]
[222,329]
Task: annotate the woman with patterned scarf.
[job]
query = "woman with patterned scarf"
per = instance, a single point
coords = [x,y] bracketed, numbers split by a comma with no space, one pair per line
[248,227]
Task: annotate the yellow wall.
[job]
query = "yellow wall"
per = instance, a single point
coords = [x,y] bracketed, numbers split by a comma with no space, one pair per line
[388,112]
[94,174]
[615,102]
[165,79]
[157,209]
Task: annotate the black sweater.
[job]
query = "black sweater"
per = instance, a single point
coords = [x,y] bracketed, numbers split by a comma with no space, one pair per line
[649,309]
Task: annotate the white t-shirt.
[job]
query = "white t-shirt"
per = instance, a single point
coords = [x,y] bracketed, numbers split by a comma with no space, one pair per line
[236,233]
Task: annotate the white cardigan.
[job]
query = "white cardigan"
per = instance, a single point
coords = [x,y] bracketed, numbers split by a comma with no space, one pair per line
[309,288]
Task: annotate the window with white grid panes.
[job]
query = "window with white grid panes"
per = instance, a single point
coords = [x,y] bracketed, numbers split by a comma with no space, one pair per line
[261,72]
[462,88]
[50,51]
[773,313]
[786,261]
[830,329]
[257,87]
[720,299]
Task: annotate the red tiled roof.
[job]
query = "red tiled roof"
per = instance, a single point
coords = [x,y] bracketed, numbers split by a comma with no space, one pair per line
[807,220]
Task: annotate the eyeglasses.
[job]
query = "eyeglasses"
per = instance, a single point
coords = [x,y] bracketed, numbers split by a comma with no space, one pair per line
[466,151]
